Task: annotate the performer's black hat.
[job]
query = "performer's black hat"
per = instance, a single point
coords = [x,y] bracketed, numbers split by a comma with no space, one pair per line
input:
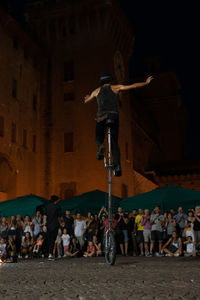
[105,78]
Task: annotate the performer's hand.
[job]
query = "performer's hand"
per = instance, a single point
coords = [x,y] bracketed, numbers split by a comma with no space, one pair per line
[149,79]
[86,98]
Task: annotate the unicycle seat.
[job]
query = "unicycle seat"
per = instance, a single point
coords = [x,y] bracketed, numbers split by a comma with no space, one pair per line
[109,121]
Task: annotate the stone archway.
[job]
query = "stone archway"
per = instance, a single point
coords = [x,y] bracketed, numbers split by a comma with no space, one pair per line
[7,179]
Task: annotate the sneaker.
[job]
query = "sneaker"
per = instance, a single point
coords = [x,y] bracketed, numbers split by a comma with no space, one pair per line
[50,257]
[147,254]
[161,254]
[19,256]
[169,255]
[100,153]
[141,254]
[176,255]
[59,256]
[150,254]
[26,256]
[117,171]
[65,255]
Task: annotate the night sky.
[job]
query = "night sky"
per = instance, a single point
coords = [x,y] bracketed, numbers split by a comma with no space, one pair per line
[168,30]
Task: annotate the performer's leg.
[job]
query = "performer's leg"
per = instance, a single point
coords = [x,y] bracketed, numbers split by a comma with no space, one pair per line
[100,136]
[115,147]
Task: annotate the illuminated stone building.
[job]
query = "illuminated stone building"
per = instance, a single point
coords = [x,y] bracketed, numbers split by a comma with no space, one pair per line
[20,118]
[82,39]
[47,133]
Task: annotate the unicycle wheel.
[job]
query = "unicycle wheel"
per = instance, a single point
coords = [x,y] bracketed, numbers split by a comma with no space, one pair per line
[110,248]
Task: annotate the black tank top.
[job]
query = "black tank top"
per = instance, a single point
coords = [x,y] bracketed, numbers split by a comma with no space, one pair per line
[107,101]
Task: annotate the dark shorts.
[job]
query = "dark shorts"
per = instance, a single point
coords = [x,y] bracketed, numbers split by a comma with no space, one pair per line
[139,236]
[156,236]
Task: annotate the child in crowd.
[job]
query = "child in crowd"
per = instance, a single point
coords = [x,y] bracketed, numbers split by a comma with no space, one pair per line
[57,246]
[90,250]
[97,246]
[66,242]
[38,245]
[2,249]
[190,247]
[74,248]
[27,245]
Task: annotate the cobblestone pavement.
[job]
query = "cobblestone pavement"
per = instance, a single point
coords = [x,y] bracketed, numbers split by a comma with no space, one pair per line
[90,278]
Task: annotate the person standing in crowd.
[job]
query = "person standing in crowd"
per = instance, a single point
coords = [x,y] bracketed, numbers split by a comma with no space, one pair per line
[69,222]
[133,233]
[79,230]
[145,221]
[37,224]
[170,225]
[196,227]
[139,230]
[180,218]
[53,214]
[157,222]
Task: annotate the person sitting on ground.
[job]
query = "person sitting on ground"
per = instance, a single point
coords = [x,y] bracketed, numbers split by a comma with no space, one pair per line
[90,250]
[97,246]
[11,249]
[27,245]
[2,249]
[66,242]
[173,247]
[38,245]
[190,247]
[74,248]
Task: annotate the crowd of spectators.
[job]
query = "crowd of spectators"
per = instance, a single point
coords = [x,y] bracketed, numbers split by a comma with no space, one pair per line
[141,233]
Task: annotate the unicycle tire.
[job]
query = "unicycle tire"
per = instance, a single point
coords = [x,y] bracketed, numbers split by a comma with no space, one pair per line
[110,248]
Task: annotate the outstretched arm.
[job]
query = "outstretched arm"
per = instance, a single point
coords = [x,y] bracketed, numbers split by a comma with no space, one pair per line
[91,97]
[134,85]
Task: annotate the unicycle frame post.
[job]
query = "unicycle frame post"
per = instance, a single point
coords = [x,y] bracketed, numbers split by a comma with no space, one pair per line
[109,180]
[110,247]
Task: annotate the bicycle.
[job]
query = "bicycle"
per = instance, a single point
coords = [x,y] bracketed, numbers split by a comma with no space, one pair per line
[109,242]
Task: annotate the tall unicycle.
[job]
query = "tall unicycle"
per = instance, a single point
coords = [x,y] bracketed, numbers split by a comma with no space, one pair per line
[110,245]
